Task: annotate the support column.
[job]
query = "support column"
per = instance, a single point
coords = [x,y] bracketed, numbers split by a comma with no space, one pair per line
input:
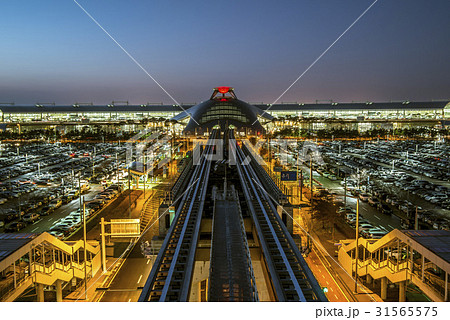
[40,292]
[58,290]
[102,224]
[423,267]
[369,279]
[383,288]
[402,291]
[446,287]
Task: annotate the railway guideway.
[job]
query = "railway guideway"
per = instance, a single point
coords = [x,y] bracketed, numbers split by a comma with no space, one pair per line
[289,277]
[171,274]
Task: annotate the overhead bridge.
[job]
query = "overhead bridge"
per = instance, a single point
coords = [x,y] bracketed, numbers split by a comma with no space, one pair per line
[223,200]
[42,260]
[420,257]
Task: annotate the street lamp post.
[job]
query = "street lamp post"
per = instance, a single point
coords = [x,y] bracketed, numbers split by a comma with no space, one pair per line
[310,180]
[145,174]
[93,163]
[129,194]
[357,248]
[117,166]
[85,253]
[345,191]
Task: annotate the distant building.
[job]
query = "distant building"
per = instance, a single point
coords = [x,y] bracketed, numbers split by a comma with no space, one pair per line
[224,109]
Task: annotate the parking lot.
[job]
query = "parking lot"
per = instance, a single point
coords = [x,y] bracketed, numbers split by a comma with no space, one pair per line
[40,184]
[393,180]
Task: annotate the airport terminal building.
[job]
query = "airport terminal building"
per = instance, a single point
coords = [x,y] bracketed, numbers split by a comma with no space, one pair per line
[223,104]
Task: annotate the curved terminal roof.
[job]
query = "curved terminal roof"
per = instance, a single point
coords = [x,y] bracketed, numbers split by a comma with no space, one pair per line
[223,109]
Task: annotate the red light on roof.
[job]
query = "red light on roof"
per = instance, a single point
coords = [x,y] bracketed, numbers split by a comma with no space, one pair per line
[223,89]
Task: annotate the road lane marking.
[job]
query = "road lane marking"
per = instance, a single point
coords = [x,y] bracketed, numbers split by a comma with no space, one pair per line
[34,229]
[328,283]
[50,219]
[376,217]
[391,227]
[321,261]
[129,300]
[323,276]
[140,279]
[148,261]
[336,297]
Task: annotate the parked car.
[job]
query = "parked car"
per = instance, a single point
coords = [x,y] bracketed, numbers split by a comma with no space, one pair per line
[384,208]
[377,234]
[31,217]
[373,201]
[364,197]
[55,204]
[15,226]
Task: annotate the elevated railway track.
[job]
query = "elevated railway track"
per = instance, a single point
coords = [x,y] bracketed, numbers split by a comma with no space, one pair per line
[231,277]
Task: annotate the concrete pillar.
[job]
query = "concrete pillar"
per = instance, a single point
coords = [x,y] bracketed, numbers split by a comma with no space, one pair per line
[58,290]
[446,287]
[402,291]
[369,279]
[383,288]
[15,276]
[423,266]
[40,292]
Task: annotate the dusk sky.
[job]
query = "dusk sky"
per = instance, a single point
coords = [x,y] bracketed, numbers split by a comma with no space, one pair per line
[51,51]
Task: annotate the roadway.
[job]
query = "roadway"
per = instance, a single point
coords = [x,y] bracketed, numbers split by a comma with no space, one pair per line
[323,276]
[132,274]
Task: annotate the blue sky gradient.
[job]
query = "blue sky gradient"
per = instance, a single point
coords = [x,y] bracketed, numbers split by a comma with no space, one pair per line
[52,52]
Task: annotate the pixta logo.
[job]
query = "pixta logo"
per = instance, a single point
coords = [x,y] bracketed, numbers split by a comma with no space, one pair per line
[148,150]
[286,151]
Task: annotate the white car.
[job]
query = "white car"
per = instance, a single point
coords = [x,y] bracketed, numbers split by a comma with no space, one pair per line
[57,234]
[364,197]
[365,226]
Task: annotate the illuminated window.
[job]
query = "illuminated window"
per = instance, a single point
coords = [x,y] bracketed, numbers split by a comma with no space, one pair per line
[224,111]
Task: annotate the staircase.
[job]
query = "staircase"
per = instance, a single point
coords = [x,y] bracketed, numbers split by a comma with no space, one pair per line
[150,209]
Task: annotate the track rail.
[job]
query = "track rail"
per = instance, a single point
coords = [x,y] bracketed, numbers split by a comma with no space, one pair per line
[171,274]
[290,276]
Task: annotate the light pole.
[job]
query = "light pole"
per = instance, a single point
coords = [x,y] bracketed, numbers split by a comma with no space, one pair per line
[79,191]
[93,164]
[145,173]
[357,242]
[117,166]
[129,194]
[345,191]
[310,180]
[85,253]
[357,245]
